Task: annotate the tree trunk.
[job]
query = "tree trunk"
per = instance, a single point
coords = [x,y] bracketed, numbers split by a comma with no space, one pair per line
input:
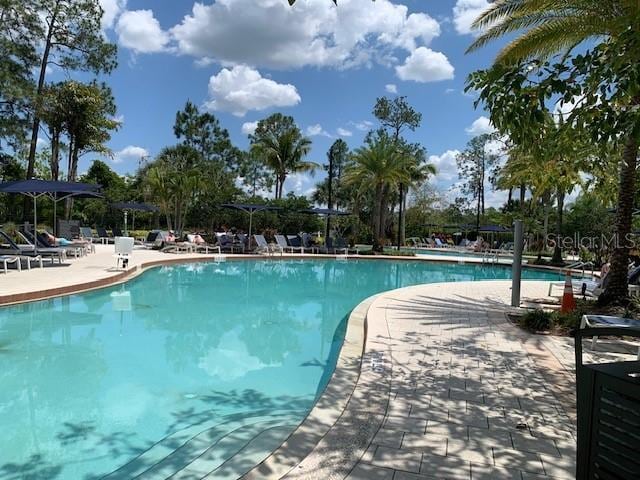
[510,196]
[403,223]
[54,161]
[375,224]
[478,215]
[617,289]
[557,250]
[400,201]
[523,191]
[35,127]
[384,210]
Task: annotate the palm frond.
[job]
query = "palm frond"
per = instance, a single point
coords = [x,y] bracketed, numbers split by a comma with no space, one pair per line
[549,38]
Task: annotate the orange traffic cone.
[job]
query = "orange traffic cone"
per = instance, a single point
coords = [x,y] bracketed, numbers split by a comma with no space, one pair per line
[568,301]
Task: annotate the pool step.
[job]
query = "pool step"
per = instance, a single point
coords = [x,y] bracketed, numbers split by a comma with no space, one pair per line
[207,445]
[238,452]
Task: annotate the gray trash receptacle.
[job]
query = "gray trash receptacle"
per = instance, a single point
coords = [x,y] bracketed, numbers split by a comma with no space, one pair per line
[608,411]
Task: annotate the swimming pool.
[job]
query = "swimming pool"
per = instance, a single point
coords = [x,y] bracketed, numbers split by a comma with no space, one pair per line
[117,379]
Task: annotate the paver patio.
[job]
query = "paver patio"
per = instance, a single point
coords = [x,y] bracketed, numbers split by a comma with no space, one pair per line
[450,389]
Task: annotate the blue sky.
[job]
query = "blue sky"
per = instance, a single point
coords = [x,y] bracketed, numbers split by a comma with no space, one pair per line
[324,65]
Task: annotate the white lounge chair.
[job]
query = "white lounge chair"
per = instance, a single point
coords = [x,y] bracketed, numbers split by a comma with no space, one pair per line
[264,247]
[604,321]
[6,259]
[282,243]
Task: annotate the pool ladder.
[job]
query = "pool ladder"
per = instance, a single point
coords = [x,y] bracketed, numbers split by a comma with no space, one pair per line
[490,257]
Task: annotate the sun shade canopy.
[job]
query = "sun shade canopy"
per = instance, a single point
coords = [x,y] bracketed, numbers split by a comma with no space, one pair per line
[249,207]
[141,207]
[324,211]
[57,190]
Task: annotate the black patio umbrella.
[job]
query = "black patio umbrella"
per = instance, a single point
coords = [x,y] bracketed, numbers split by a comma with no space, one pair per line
[55,190]
[250,208]
[327,212]
[133,206]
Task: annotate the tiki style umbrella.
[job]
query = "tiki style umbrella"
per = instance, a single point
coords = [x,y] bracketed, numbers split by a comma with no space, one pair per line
[249,208]
[133,206]
[56,190]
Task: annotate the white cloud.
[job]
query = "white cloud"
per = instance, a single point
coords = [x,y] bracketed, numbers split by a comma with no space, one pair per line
[391,88]
[446,167]
[248,128]
[465,12]
[311,33]
[363,126]
[300,183]
[425,65]
[140,31]
[343,132]
[242,88]
[449,90]
[480,126]
[131,152]
[315,130]
[111,11]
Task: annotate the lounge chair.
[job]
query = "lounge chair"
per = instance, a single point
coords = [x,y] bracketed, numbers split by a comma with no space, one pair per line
[264,247]
[46,252]
[440,243]
[343,246]
[83,247]
[116,232]
[595,287]
[282,243]
[103,235]
[327,248]
[25,252]
[307,245]
[226,244]
[87,234]
[44,246]
[6,259]
[201,247]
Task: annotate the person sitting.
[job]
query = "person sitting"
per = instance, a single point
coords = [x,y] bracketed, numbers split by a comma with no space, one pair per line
[171,237]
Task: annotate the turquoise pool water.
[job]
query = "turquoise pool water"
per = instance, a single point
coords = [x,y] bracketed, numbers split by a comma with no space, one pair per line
[90,381]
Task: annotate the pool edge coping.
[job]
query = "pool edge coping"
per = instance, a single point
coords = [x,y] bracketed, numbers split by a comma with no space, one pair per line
[330,405]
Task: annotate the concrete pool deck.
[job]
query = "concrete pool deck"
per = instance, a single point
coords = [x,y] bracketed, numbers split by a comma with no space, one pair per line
[445,381]
[432,382]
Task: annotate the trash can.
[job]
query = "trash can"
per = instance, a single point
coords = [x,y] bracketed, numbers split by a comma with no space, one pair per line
[608,412]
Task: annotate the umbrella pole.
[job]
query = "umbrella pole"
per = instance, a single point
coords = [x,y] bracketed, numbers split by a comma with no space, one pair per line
[250,225]
[55,215]
[35,224]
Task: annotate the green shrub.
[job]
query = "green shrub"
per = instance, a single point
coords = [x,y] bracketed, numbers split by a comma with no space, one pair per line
[536,320]
[567,320]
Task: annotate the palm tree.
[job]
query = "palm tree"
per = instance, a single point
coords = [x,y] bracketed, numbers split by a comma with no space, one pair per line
[418,173]
[547,27]
[283,148]
[378,167]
